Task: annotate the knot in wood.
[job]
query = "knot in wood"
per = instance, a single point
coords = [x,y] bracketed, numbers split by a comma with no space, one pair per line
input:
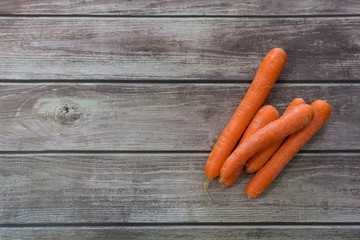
[67,114]
[206,113]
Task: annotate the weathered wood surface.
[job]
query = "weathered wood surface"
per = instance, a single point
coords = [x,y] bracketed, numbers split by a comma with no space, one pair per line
[183,232]
[95,188]
[180,7]
[177,48]
[151,176]
[149,117]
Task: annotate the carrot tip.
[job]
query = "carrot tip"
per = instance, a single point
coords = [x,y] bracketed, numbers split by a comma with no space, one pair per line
[207,185]
[281,49]
[222,184]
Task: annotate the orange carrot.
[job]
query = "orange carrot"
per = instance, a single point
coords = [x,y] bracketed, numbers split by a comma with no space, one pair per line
[288,149]
[294,103]
[267,74]
[287,124]
[264,116]
[260,158]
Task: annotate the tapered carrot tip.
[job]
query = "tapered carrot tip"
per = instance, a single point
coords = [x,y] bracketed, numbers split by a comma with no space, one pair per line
[281,52]
[279,49]
[251,193]
[222,184]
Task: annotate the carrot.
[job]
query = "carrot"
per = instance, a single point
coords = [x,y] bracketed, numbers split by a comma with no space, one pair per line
[260,158]
[267,74]
[265,115]
[294,103]
[288,149]
[287,124]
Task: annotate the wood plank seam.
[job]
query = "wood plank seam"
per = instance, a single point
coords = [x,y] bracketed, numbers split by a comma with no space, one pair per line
[175,16]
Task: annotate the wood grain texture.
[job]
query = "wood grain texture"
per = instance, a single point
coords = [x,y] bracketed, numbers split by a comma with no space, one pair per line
[180,7]
[176,48]
[183,232]
[149,117]
[129,188]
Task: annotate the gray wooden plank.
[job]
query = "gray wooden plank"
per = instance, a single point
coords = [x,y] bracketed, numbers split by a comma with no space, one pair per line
[168,188]
[185,232]
[151,117]
[176,48]
[180,7]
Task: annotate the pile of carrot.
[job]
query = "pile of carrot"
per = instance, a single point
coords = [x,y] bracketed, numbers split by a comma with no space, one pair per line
[257,138]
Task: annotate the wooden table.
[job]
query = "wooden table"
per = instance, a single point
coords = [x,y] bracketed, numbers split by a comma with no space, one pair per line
[109,110]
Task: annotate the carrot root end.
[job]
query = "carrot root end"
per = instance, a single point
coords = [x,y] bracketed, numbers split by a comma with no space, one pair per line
[206,186]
